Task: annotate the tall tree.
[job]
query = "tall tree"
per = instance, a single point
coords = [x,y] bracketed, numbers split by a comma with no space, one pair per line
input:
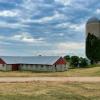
[93,48]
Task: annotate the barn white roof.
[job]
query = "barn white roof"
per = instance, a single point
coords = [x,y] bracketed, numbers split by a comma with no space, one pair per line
[47,60]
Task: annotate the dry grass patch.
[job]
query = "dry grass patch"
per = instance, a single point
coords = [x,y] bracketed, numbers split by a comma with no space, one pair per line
[49,91]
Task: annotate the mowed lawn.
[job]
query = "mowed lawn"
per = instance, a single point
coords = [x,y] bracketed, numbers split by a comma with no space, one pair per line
[94,71]
[49,91]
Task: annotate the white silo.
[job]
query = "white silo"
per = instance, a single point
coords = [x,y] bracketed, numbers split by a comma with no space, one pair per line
[93,27]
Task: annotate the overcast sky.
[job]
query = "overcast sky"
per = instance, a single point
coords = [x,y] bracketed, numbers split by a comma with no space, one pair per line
[45,27]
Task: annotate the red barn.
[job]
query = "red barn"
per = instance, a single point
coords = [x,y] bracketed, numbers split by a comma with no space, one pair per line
[33,63]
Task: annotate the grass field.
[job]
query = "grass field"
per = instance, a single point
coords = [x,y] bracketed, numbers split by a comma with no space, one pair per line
[49,91]
[94,71]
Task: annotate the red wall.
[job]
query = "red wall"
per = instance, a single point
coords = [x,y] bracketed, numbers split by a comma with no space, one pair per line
[2,62]
[60,61]
[15,67]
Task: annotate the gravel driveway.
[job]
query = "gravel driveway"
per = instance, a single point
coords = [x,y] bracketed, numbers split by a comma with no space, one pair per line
[54,79]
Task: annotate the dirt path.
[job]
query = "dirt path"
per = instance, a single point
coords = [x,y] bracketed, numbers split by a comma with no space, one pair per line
[54,79]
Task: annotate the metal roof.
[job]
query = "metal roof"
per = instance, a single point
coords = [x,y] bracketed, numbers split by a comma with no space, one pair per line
[93,20]
[47,60]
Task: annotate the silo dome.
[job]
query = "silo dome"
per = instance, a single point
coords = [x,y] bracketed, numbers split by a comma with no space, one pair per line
[93,20]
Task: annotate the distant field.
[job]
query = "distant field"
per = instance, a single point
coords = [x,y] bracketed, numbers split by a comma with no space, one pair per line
[94,71]
[49,91]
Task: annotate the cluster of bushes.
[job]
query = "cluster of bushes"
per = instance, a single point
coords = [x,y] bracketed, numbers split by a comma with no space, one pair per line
[76,61]
[93,48]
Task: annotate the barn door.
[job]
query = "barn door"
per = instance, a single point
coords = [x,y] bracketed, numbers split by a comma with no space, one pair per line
[15,67]
[55,67]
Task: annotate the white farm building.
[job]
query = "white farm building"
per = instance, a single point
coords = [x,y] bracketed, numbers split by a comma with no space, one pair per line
[33,63]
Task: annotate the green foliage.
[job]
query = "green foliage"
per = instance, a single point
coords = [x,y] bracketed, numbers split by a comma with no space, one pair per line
[74,61]
[83,62]
[67,58]
[93,48]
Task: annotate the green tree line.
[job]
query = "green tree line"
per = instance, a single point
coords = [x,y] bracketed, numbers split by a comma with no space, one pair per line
[75,61]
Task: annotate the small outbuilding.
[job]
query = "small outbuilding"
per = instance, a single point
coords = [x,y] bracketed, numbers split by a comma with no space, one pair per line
[33,63]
